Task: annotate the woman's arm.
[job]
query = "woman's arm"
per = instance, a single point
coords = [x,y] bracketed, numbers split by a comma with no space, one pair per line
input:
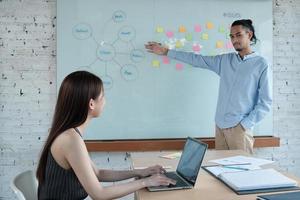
[114,175]
[77,156]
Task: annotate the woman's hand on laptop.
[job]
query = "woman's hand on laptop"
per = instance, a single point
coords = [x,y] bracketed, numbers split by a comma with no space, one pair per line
[156,169]
[157,180]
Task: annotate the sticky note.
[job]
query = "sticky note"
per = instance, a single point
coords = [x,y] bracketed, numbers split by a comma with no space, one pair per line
[165,60]
[179,66]
[229,45]
[178,44]
[189,37]
[182,29]
[204,36]
[197,28]
[159,29]
[155,63]
[222,29]
[169,34]
[209,25]
[196,48]
[219,44]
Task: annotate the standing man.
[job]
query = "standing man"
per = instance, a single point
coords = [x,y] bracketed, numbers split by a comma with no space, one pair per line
[244,91]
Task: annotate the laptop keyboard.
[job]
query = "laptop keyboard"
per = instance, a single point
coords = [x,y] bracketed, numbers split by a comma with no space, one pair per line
[179,181]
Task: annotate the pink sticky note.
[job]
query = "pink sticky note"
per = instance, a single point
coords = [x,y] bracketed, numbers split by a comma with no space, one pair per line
[196,48]
[165,60]
[179,66]
[197,28]
[169,34]
[229,45]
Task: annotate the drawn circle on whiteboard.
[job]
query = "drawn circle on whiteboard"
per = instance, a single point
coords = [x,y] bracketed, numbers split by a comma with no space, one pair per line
[137,55]
[129,72]
[106,52]
[82,31]
[119,16]
[126,33]
[107,82]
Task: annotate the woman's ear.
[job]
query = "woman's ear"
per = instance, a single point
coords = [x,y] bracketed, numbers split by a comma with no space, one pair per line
[91,104]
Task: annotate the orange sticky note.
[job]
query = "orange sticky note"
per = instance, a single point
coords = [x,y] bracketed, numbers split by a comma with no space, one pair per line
[204,36]
[219,44]
[182,29]
[155,63]
[209,25]
[159,29]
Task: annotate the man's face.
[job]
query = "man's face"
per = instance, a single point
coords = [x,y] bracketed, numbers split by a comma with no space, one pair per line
[240,37]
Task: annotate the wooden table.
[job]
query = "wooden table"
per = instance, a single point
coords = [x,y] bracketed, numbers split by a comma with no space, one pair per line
[206,188]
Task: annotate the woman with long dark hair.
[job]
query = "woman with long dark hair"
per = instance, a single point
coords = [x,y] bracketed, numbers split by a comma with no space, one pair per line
[65,170]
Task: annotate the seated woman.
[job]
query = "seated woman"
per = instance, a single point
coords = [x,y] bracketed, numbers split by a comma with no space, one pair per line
[65,170]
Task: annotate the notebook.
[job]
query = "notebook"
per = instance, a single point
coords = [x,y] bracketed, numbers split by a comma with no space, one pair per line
[282,196]
[256,181]
[187,168]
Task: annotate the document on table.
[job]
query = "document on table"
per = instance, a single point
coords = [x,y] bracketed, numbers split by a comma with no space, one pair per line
[172,155]
[219,169]
[242,160]
[257,179]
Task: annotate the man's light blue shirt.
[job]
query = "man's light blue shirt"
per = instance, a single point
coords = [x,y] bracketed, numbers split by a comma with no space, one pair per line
[244,91]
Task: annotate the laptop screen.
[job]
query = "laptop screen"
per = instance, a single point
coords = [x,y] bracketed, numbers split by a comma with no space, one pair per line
[191,159]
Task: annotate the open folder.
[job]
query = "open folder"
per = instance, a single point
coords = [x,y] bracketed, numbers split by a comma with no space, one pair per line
[255,181]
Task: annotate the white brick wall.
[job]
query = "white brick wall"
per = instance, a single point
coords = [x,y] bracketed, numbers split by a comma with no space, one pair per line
[27,87]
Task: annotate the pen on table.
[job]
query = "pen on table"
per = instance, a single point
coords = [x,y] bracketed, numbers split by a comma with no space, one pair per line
[239,168]
[220,165]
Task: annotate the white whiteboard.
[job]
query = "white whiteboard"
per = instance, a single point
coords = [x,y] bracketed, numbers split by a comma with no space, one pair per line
[150,96]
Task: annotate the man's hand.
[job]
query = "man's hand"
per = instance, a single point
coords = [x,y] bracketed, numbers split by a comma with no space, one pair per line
[157,48]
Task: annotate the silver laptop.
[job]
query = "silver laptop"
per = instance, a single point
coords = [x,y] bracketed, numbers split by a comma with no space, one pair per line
[187,168]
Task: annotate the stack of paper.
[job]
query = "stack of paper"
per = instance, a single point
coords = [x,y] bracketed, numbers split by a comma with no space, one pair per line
[256,179]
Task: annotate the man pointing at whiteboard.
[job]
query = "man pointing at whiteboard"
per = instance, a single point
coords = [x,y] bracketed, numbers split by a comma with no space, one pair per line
[244,91]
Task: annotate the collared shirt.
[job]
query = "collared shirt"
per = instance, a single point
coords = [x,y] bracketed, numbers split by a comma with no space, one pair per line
[244,91]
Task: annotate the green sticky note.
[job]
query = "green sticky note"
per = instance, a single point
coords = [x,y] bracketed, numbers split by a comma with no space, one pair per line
[221,29]
[189,37]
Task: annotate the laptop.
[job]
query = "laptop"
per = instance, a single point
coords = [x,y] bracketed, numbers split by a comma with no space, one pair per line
[187,168]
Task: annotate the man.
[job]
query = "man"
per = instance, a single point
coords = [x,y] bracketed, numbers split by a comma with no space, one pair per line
[244,91]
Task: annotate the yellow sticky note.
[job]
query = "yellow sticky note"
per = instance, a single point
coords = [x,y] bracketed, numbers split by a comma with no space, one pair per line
[189,37]
[182,29]
[204,36]
[219,44]
[209,25]
[178,44]
[159,29]
[155,63]
[222,29]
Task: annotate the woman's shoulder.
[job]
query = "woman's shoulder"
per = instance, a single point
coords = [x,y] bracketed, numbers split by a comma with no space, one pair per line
[69,139]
